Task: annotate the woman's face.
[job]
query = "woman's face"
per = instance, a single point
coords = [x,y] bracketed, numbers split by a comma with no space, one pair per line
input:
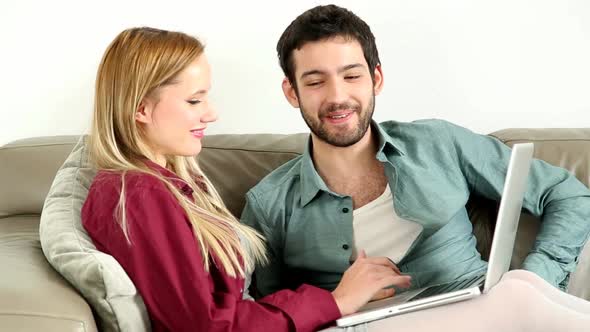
[175,122]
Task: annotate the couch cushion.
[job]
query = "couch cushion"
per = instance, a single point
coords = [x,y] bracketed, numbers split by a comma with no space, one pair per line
[33,297]
[28,166]
[69,249]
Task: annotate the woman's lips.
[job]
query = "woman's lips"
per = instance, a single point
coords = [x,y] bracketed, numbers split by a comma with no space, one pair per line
[198,133]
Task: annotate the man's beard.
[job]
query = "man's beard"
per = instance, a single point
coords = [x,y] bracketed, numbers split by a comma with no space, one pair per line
[341,139]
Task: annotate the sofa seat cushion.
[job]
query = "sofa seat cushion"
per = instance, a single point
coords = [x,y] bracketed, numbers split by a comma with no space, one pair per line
[33,296]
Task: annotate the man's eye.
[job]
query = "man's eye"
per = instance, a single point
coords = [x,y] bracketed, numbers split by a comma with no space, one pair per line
[313,83]
[352,77]
[193,101]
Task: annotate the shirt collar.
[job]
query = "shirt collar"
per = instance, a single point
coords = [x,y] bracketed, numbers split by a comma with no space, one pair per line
[311,182]
[179,183]
[386,141]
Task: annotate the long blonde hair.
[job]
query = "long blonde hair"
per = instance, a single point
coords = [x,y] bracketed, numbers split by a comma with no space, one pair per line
[136,64]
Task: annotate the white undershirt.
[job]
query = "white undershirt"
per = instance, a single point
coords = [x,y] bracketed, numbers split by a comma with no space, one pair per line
[380,231]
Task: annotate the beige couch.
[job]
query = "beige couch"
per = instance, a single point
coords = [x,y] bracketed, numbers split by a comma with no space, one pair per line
[33,297]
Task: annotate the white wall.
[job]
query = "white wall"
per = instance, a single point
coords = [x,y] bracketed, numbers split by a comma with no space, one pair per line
[486,65]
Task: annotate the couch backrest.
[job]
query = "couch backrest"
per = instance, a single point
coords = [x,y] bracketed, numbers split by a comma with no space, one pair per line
[234,163]
[27,169]
[567,148]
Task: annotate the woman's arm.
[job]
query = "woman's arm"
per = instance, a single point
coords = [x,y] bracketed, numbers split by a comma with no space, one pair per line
[165,264]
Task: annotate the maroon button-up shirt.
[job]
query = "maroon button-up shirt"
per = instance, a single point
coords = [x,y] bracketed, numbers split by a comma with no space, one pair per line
[166,265]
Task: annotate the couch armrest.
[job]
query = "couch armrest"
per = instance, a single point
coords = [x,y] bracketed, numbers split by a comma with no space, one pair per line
[33,296]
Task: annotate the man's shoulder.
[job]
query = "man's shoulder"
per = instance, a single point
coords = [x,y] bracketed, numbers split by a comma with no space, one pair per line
[416,127]
[432,133]
[279,181]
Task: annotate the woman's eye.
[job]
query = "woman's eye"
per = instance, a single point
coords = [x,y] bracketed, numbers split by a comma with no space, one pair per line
[194,101]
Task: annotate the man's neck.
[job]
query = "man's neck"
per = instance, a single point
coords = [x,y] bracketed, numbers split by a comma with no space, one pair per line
[343,162]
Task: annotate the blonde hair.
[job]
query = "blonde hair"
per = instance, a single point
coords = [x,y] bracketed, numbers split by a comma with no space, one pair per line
[135,65]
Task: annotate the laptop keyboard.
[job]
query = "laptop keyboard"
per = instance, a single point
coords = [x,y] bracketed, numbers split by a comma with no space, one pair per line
[451,287]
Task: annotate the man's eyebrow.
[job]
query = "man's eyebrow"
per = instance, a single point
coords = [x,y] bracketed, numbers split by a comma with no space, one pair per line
[311,72]
[351,66]
[340,70]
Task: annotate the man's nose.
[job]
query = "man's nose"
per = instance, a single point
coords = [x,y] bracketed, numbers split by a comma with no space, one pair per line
[336,92]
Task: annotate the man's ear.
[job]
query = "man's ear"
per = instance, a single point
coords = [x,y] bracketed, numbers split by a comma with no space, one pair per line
[378,80]
[290,93]
[143,114]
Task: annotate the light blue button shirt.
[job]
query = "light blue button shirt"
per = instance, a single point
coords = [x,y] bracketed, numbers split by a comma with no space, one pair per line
[432,167]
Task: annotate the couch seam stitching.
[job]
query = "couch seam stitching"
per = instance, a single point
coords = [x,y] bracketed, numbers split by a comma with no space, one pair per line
[13,147]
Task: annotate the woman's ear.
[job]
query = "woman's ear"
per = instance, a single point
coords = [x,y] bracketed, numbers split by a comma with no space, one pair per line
[143,114]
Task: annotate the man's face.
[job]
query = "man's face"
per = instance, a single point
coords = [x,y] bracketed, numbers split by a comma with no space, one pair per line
[335,91]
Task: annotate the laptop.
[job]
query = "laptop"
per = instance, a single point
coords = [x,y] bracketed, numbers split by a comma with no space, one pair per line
[467,288]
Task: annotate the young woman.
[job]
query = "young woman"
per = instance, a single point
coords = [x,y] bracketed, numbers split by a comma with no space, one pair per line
[157,214]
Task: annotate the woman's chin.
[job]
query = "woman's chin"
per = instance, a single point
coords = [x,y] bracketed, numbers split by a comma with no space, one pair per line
[193,151]
[188,152]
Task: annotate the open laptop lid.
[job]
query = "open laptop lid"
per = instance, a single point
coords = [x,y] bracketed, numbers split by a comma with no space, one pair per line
[509,213]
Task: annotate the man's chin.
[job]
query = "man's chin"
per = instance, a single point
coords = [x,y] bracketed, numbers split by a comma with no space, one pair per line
[340,141]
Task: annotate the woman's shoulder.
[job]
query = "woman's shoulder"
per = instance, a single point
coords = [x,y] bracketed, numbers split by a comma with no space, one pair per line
[104,194]
[110,181]
[106,188]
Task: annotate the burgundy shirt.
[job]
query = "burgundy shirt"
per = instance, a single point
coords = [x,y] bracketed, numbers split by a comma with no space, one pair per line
[166,265]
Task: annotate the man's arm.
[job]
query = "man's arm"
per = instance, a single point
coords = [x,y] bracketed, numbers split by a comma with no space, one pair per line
[553,195]
[268,277]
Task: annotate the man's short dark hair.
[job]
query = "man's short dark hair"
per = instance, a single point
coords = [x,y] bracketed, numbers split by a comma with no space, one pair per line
[320,23]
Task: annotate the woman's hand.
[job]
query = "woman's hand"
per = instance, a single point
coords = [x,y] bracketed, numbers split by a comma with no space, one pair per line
[367,279]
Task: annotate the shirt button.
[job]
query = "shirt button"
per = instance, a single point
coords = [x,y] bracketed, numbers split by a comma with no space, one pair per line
[345,210]
[345,246]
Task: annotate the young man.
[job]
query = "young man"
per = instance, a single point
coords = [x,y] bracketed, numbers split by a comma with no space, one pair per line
[392,189]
